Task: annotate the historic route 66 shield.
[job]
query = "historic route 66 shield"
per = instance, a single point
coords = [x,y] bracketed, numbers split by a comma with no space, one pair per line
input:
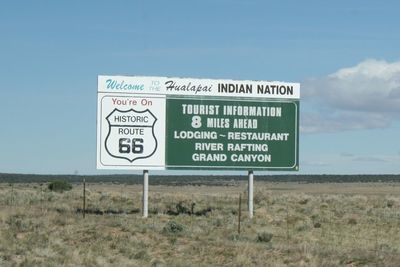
[131,134]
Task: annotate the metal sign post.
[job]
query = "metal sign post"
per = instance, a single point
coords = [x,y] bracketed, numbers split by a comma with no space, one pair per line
[145,209]
[250,193]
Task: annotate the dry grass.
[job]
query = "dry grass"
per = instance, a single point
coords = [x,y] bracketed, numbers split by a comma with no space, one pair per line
[310,225]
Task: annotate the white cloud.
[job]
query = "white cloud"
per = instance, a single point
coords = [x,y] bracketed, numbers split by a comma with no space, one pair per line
[378,158]
[361,97]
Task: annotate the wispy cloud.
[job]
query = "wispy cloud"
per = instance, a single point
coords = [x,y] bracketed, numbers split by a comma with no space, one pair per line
[371,159]
[346,154]
[366,96]
[314,163]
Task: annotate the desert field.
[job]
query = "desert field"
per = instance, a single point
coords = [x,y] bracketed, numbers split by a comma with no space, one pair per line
[294,224]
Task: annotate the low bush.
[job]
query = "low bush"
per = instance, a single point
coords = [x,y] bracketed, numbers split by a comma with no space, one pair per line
[303,201]
[59,186]
[352,221]
[317,225]
[173,227]
[264,237]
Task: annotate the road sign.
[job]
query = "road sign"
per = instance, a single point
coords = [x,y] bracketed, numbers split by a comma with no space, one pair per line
[175,123]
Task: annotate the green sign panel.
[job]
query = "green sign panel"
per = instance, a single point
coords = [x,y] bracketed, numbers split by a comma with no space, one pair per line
[231,134]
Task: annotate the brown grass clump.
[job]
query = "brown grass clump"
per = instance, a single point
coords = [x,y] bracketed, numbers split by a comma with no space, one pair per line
[352,221]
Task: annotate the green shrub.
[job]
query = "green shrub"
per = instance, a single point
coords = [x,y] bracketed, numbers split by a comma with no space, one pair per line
[317,225]
[181,209]
[390,203]
[20,223]
[173,227]
[264,237]
[352,221]
[59,186]
[303,201]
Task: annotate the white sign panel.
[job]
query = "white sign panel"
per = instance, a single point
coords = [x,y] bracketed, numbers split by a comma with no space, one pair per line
[127,131]
[198,87]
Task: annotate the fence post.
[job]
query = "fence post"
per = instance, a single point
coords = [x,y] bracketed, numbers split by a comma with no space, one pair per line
[239,212]
[287,226]
[41,198]
[376,236]
[12,194]
[84,197]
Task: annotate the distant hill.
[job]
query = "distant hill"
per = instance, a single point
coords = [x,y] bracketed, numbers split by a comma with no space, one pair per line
[195,179]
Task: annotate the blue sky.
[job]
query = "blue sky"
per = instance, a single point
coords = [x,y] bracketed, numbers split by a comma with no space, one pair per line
[345,54]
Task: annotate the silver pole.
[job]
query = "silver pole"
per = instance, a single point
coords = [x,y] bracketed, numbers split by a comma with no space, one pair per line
[145,209]
[250,194]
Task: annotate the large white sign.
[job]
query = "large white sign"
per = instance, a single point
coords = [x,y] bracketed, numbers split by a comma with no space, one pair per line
[134,130]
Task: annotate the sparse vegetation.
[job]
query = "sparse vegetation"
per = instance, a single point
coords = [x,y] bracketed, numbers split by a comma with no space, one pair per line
[198,180]
[338,225]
